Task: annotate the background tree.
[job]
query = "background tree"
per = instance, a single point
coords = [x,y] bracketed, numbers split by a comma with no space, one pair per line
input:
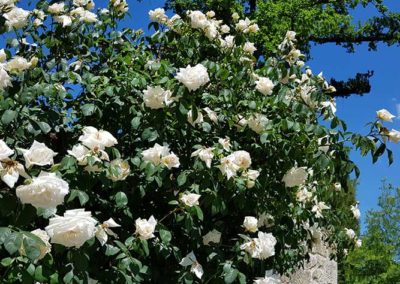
[315,22]
[377,260]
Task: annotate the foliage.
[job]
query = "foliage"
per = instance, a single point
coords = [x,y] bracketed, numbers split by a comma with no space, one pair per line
[315,22]
[173,136]
[377,260]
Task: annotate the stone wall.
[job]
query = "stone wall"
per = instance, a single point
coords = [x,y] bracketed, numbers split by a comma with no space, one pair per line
[319,270]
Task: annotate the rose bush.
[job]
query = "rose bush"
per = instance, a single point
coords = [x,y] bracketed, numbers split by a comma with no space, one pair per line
[207,165]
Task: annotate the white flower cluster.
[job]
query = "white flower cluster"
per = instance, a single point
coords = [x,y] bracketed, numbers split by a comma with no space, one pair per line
[79,12]
[237,161]
[157,97]
[91,153]
[161,155]
[16,65]
[393,135]
[261,247]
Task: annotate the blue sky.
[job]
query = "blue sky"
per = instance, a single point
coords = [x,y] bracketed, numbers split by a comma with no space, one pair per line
[335,62]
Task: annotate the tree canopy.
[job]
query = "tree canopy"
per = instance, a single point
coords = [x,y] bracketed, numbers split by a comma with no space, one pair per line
[315,22]
[377,261]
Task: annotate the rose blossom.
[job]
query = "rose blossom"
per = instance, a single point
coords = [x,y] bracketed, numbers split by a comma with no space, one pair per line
[45,191]
[190,199]
[145,228]
[73,229]
[250,224]
[38,154]
[193,77]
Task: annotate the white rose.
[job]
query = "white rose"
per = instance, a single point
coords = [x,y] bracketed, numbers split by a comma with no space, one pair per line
[45,191]
[261,247]
[155,153]
[253,28]
[250,224]
[18,64]
[350,233]
[265,220]
[158,16]
[356,212]
[213,236]
[145,228]
[394,136]
[242,159]
[81,3]
[290,35]
[337,186]
[225,29]
[10,171]
[5,79]
[64,20]
[295,177]
[264,85]
[249,47]
[170,161]
[225,143]
[303,195]
[198,20]
[5,151]
[119,170]
[44,248]
[210,14]
[157,97]
[251,176]
[190,199]
[84,15]
[73,229]
[38,154]
[3,55]
[56,8]
[385,115]
[212,115]
[80,153]
[358,243]
[318,207]
[94,138]
[243,25]
[193,77]
[204,154]
[228,167]
[103,231]
[211,30]
[17,18]
[199,118]
[228,42]
[195,266]
[257,122]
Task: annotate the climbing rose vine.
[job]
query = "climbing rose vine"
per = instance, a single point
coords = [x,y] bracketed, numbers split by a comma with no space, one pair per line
[169,158]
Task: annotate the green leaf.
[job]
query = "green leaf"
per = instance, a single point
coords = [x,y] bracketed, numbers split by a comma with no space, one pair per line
[45,127]
[199,212]
[88,109]
[182,179]
[82,196]
[121,199]
[8,116]
[7,261]
[231,275]
[135,122]
[165,236]
[68,277]
[13,242]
